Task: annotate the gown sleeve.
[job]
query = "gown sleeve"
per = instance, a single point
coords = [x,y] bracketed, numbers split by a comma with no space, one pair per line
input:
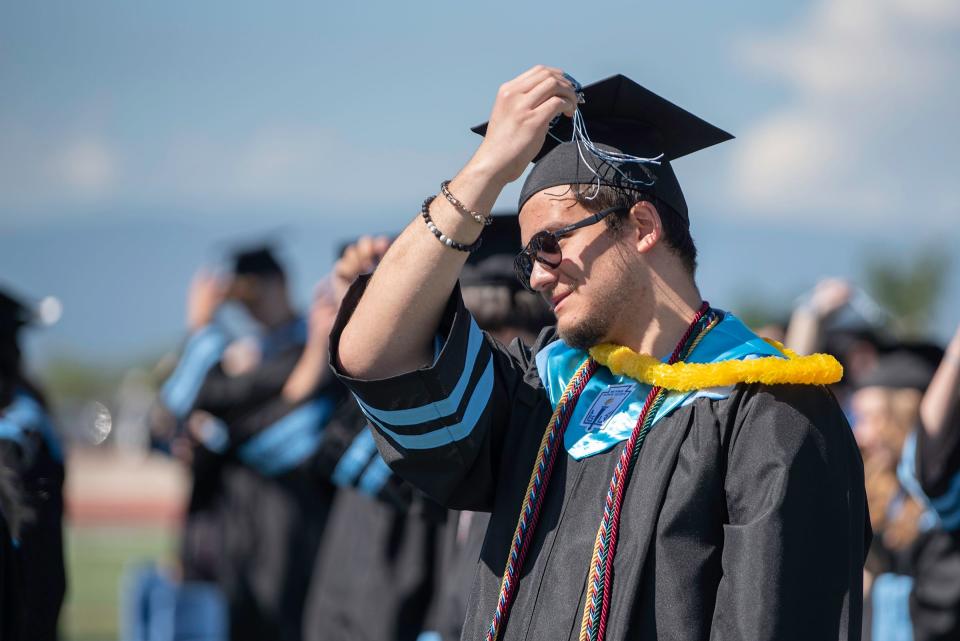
[201,353]
[442,427]
[220,393]
[797,527]
[932,465]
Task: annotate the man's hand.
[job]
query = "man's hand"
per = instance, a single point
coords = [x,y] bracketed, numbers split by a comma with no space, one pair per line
[393,327]
[519,121]
[829,295]
[206,295]
[359,258]
[311,371]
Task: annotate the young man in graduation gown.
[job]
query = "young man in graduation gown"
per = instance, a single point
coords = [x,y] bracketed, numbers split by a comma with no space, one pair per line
[30,449]
[255,516]
[629,497]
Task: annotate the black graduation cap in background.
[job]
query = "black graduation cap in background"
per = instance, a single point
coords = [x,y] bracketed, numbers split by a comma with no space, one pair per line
[256,261]
[17,312]
[492,263]
[626,118]
[13,314]
[909,365]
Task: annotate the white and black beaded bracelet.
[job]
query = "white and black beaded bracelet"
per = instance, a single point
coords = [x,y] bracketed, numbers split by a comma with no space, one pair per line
[443,238]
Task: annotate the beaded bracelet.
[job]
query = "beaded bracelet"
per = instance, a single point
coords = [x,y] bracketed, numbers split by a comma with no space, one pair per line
[443,238]
[453,200]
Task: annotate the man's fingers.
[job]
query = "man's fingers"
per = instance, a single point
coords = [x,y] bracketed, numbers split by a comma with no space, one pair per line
[553,107]
[527,81]
[361,257]
[549,87]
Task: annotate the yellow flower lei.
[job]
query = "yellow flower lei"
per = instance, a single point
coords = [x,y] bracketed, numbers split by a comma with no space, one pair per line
[815,369]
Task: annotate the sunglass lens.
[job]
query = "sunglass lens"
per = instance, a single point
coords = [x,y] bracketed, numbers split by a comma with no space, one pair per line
[523,267]
[548,250]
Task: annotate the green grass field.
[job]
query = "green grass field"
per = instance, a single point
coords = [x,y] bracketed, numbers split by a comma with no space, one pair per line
[96,559]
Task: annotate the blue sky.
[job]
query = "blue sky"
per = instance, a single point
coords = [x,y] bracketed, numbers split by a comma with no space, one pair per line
[137,138]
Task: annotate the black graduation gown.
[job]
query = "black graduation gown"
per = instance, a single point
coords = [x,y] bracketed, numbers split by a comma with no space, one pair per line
[745,517]
[373,578]
[235,400]
[931,470]
[271,524]
[459,552]
[40,549]
[11,578]
[252,531]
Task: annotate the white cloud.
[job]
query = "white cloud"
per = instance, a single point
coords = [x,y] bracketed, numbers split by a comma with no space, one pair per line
[85,167]
[37,169]
[54,174]
[872,96]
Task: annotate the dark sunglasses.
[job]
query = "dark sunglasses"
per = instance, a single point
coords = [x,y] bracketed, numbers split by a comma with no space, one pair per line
[544,247]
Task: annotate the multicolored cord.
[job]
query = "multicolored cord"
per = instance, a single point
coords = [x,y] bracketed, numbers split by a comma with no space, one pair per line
[598,600]
[536,489]
[594,623]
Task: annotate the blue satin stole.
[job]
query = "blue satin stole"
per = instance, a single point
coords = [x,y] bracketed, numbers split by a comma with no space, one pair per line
[610,405]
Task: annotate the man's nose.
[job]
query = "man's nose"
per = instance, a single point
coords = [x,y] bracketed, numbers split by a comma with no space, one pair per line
[542,276]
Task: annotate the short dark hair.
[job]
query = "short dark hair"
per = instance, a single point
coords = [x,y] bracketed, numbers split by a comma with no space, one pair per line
[676,228]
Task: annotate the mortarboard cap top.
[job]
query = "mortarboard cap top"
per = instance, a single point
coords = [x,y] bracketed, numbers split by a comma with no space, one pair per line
[622,117]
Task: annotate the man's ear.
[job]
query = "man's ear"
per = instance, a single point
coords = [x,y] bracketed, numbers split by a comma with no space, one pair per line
[647,224]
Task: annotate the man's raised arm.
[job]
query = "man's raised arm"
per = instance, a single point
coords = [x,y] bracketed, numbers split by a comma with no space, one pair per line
[393,328]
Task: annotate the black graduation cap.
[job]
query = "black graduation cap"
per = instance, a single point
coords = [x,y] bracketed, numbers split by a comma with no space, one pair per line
[492,263]
[622,117]
[910,365]
[256,261]
[13,314]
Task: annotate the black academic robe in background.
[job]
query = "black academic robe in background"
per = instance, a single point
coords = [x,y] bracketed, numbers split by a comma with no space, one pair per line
[40,548]
[236,401]
[459,552]
[11,578]
[374,577]
[254,532]
[271,524]
[931,468]
[745,517]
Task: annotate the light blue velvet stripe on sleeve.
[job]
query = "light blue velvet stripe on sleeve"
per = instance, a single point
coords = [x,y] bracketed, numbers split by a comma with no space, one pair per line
[947,505]
[215,435]
[25,415]
[352,461]
[290,441]
[441,408]
[375,476]
[10,431]
[203,350]
[446,434]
